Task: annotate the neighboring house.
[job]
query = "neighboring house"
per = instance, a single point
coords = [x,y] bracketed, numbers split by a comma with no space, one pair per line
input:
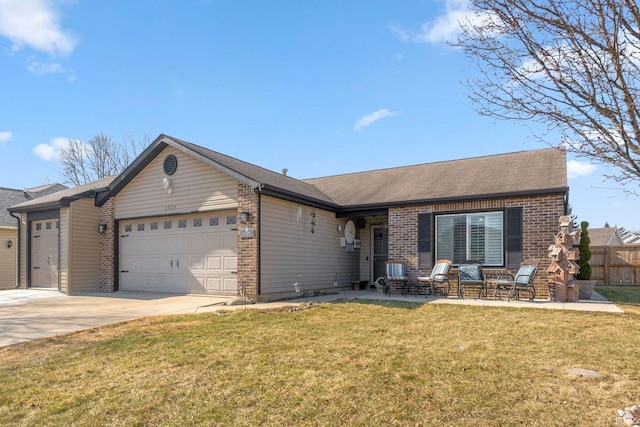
[630,238]
[606,236]
[59,246]
[184,219]
[9,228]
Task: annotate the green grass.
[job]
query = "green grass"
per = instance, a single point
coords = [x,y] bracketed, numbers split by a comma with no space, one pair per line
[355,364]
[620,294]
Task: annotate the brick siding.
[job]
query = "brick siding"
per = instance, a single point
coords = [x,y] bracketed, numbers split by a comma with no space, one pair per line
[107,247]
[248,201]
[540,223]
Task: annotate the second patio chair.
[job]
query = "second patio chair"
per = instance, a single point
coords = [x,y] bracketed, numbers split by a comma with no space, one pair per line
[470,275]
[438,280]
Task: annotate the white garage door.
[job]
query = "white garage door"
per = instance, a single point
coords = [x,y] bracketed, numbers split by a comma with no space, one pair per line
[181,254]
[44,253]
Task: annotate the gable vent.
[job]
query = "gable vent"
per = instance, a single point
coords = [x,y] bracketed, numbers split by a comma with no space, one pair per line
[170,164]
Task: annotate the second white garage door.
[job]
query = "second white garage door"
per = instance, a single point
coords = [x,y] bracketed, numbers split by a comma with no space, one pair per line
[181,254]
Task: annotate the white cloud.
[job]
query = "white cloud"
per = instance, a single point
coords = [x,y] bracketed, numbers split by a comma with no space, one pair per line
[34,24]
[444,28]
[576,168]
[372,118]
[5,136]
[51,150]
[42,68]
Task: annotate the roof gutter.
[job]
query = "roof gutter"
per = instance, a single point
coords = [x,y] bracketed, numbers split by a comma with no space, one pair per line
[17,250]
[64,202]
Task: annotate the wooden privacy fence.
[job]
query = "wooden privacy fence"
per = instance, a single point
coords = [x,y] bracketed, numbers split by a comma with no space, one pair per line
[615,265]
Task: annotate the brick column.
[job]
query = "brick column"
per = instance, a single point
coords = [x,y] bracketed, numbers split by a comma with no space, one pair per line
[403,238]
[248,201]
[107,247]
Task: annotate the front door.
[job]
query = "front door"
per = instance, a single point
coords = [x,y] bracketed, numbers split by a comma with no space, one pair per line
[44,253]
[379,250]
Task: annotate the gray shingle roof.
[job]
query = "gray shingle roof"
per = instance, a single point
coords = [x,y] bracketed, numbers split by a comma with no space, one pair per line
[268,179]
[604,236]
[59,198]
[11,196]
[523,172]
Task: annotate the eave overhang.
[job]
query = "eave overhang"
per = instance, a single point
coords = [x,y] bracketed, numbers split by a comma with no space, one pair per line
[294,197]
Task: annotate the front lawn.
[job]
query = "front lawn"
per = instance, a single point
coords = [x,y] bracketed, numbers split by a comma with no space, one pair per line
[355,363]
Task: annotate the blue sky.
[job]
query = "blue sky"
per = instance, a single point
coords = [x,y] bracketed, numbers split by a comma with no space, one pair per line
[317,87]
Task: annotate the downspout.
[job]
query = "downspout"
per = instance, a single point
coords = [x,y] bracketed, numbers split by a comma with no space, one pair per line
[259,249]
[258,190]
[17,250]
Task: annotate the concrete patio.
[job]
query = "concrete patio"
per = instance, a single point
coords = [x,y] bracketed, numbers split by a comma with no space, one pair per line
[596,303]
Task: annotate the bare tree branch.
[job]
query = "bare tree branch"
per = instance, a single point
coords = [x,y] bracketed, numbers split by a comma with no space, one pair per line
[571,65]
[99,158]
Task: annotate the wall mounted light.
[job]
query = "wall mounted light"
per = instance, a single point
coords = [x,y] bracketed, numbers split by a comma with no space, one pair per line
[166,183]
[102,228]
[244,217]
[9,243]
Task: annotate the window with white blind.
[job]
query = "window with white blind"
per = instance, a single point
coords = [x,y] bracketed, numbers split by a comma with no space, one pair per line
[476,236]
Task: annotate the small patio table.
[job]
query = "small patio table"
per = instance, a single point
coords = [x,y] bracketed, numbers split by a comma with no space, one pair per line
[402,288]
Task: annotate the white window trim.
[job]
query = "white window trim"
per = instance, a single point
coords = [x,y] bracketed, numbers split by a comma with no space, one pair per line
[467,231]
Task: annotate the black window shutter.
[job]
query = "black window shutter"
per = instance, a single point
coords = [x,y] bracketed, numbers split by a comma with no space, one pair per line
[424,240]
[513,237]
[424,232]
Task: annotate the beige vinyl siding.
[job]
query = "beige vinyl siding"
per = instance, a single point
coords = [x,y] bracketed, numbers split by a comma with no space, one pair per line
[365,253]
[196,186]
[8,257]
[83,247]
[63,254]
[288,248]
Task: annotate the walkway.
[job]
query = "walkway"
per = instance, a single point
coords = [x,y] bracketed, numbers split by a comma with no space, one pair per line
[596,303]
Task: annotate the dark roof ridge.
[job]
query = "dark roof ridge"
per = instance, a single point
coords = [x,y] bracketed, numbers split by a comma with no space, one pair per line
[260,179]
[186,143]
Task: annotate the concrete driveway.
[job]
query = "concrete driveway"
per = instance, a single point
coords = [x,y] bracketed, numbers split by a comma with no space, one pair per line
[27,314]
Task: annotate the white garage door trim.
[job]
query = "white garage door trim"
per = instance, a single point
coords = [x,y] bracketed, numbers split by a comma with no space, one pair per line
[194,253]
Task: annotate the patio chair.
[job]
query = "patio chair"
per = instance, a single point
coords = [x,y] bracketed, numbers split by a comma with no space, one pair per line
[522,281]
[395,277]
[470,275]
[438,280]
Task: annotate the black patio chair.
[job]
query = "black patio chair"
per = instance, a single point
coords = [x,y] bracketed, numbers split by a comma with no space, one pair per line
[522,281]
[470,275]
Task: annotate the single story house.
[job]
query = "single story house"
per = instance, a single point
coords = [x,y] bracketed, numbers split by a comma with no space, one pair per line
[9,228]
[185,219]
[606,236]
